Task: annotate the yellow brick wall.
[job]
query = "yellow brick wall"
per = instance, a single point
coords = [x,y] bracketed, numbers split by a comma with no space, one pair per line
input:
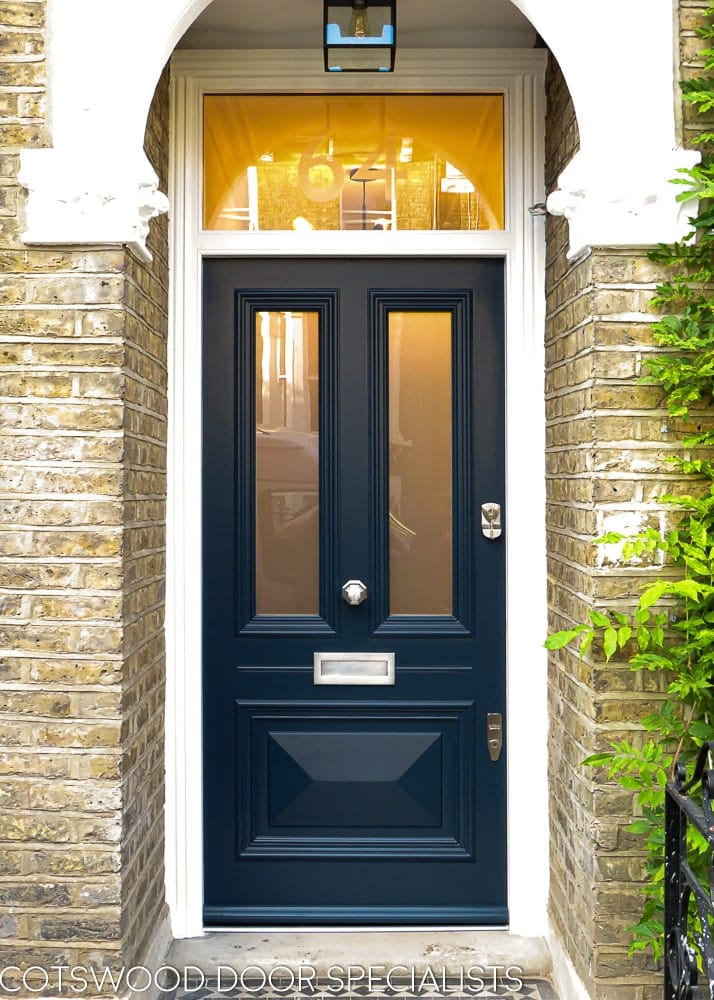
[82,490]
[144,555]
[608,440]
[691,64]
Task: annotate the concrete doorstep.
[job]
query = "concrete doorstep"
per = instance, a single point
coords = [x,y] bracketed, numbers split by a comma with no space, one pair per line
[344,964]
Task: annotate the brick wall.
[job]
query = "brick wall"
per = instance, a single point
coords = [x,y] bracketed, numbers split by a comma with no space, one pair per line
[82,431]
[60,576]
[691,63]
[23,84]
[607,445]
[145,427]
[608,439]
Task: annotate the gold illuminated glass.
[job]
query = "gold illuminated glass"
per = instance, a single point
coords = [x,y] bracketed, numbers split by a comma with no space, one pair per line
[353,162]
[287,463]
[420,463]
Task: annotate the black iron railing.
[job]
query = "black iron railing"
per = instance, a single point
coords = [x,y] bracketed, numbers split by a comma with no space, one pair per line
[689,950]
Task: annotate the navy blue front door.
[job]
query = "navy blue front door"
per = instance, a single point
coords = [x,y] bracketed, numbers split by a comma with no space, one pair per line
[353,428]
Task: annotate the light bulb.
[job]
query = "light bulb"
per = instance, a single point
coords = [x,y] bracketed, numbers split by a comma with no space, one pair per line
[359,24]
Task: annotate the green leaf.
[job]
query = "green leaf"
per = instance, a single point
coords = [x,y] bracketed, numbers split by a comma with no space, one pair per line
[586,643]
[633,784]
[610,642]
[652,594]
[702,730]
[560,639]
[695,566]
[597,759]
[688,588]
[640,826]
[599,619]
[643,638]
[623,635]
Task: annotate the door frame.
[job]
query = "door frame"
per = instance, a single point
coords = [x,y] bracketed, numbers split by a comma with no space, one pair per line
[519,74]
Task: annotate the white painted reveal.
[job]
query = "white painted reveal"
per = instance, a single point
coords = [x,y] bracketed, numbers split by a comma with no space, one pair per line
[95,184]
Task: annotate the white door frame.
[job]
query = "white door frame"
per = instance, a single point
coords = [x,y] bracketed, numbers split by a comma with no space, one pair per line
[519,75]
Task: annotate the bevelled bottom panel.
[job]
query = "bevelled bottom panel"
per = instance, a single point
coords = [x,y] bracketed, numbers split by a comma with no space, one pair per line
[354,780]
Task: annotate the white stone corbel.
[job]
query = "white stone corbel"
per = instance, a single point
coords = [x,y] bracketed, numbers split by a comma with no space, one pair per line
[618,201]
[82,196]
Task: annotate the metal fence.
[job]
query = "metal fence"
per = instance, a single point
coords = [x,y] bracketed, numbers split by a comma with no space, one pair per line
[688,907]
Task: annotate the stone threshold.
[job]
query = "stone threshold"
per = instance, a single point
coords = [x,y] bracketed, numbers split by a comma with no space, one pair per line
[317,962]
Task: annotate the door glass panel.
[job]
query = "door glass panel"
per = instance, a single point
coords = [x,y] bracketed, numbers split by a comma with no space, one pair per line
[353,162]
[420,492]
[287,463]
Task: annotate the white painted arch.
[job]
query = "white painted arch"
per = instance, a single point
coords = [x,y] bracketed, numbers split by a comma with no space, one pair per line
[95,185]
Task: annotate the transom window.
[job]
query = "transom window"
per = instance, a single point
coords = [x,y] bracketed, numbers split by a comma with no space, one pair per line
[353,162]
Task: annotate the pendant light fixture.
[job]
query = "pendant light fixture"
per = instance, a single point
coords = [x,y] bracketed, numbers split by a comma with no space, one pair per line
[359,36]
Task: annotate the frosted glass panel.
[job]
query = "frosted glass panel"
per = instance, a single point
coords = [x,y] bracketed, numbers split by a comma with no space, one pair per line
[420,464]
[353,162]
[287,463]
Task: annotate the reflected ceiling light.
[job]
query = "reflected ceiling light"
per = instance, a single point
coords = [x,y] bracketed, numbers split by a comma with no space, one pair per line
[455,182]
[301,224]
[406,151]
[266,157]
[360,36]
[235,212]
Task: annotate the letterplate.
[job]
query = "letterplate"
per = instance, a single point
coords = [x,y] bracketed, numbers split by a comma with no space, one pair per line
[354,668]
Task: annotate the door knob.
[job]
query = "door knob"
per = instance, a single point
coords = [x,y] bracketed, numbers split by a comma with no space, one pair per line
[354,592]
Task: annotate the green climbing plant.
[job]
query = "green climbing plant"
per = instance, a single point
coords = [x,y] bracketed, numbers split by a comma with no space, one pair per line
[671,627]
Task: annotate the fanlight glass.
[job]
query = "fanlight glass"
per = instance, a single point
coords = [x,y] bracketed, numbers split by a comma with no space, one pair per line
[353,162]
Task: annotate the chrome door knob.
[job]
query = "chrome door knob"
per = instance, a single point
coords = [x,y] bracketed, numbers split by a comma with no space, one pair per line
[354,592]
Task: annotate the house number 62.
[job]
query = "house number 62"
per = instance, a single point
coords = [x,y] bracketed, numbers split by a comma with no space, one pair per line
[367,171]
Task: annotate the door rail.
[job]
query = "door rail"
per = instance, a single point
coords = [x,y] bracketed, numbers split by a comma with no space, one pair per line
[689,948]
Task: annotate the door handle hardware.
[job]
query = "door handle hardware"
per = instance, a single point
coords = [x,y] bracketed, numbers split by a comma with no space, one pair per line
[494,734]
[491,520]
[354,592]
